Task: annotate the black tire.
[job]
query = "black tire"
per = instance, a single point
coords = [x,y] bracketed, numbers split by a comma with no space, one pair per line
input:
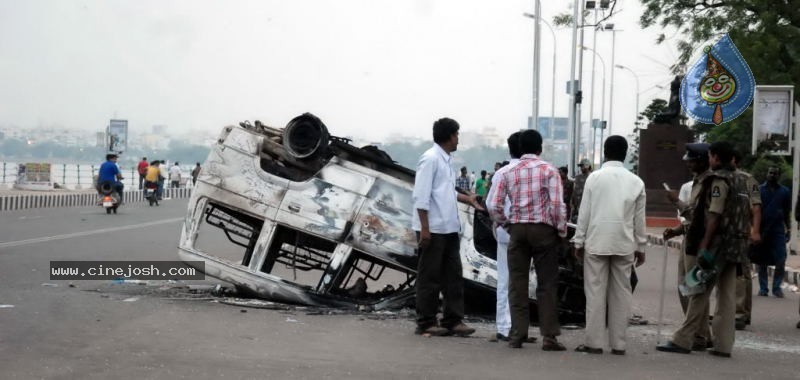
[108,210]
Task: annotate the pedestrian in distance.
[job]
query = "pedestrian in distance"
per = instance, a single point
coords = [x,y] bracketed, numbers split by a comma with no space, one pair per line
[142,169]
[195,173]
[775,230]
[577,191]
[482,185]
[463,181]
[175,176]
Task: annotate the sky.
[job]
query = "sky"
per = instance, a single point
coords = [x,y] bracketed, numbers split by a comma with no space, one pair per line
[367,68]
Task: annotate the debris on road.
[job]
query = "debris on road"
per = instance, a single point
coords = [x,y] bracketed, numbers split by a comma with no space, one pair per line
[131,299]
[50,285]
[6,306]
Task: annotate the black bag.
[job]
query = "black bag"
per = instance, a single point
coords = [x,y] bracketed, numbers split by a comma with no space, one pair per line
[758,254]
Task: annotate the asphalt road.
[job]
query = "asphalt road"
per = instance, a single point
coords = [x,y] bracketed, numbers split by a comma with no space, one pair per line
[101,330]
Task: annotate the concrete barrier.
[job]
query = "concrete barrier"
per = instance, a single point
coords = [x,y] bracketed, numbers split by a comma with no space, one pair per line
[26,200]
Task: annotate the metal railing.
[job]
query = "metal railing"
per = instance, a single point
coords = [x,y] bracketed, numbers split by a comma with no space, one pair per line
[79,176]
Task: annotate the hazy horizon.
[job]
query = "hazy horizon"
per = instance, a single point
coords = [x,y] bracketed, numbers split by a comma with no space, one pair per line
[366,68]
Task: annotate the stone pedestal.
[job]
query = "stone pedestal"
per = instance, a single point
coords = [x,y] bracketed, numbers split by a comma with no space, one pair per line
[661,149]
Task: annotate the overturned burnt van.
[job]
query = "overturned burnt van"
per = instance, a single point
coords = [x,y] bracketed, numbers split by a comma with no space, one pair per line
[296,215]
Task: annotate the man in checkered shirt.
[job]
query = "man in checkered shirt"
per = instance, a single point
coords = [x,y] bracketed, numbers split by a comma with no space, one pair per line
[463,182]
[537,223]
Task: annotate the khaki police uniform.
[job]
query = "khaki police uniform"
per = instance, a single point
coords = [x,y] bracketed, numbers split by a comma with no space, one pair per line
[727,247]
[744,278]
[687,261]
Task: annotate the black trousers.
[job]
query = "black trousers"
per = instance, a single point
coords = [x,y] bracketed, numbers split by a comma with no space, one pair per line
[439,270]
[541,243]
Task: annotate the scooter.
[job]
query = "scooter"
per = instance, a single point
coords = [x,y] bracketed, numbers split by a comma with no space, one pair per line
[109,198]
[150,190]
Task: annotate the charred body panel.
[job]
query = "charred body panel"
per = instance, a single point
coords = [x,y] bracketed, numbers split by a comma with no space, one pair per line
[321,222]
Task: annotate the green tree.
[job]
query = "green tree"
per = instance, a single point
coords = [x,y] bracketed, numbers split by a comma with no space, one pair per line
[766,32]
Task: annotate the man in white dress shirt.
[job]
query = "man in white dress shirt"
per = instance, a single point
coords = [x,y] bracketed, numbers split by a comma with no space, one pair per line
[435,218]
[611,230]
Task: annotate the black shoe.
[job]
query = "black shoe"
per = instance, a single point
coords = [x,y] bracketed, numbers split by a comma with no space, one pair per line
[588,350]
[778,294]
[762,293]
[719,353]
[740,324]
[461,330]
[551,344]
[515,343]
[431,331]
[699,346]
[798,325]
[617,352]
[672,347]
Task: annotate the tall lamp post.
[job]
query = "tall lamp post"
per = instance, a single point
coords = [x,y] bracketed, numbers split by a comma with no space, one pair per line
[537,11]
[636,119]
[602,103]
[553,86]
[610,28]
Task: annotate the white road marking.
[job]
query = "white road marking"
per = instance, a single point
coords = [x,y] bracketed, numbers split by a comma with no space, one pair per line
[87,233]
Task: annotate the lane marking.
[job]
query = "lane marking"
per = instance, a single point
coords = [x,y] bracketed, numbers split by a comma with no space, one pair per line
[87,233]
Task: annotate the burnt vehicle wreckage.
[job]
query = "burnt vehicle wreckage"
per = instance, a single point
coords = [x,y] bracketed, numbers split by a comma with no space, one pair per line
[299,216]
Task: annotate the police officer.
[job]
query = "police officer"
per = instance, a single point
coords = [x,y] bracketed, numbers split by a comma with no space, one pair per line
[744,271]
[577,188]
[724,209]
[696,159]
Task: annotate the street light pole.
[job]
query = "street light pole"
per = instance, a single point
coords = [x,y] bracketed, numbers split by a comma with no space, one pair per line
[636,119]
[536,48]
[610,27]
[603,102]
[553,86]
[572,129]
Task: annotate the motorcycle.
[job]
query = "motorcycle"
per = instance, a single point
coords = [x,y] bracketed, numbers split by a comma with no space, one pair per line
[150,191]
[109,198]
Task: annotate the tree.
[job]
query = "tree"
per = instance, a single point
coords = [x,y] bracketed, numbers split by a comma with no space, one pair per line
[766,32]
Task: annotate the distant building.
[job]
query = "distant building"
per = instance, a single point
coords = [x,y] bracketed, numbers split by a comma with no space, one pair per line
[159,129]
[100,139]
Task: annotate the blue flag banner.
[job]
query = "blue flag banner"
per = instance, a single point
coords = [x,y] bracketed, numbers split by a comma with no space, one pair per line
[719,86]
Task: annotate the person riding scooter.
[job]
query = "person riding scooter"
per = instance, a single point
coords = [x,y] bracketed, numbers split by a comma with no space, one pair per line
[151,179]
[109,173]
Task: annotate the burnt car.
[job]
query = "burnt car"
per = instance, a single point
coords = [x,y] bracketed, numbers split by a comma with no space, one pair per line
[299,216]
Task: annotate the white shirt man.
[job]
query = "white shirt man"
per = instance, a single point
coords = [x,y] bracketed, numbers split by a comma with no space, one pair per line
[611,230]
[436,220]
[503,314]
[175,175]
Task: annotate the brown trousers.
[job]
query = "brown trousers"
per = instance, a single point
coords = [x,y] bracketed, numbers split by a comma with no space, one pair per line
[541,243]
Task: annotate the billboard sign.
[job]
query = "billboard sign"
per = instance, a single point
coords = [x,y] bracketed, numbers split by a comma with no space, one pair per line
[117,136]
[772,119]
